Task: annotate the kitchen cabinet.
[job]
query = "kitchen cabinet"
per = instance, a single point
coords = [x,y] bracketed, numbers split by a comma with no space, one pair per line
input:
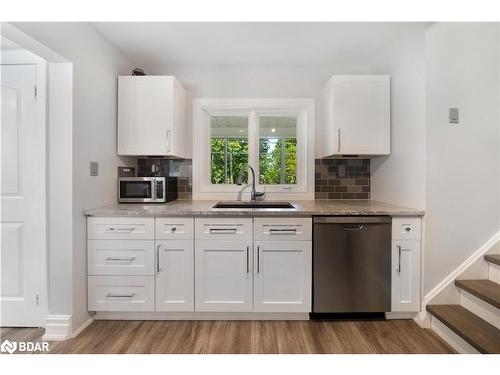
[152,117]
[174,275]
[282,276]
[223,280]
[405,265]
[355,112]
[121,293]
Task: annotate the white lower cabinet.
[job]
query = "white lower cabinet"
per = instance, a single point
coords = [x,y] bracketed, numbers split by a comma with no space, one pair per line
[121,293]
[223,279]
[405,275]
[282,276]
[175,276]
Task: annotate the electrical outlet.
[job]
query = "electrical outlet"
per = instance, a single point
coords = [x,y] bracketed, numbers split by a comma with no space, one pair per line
[94,168]
[453,115]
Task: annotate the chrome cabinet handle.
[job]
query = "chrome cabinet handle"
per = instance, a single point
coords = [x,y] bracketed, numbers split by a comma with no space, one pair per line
[111,295]
[282,231]
[338,133]
[248,260]
[121,229]
[158,269]
[223,230]
[169,142]
[399,258]
[123,259]
[258,259]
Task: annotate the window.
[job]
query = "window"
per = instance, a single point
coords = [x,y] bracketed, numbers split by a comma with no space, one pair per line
[228,149]
[273,136]
[277,150]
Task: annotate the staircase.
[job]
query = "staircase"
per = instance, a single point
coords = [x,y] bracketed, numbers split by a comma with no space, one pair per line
[473,325]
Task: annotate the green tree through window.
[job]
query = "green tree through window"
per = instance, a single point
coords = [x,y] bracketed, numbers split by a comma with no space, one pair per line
[229,156]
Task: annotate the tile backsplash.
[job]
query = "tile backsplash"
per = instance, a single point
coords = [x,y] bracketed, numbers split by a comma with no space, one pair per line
[180,168]
[334,178]
[342,179]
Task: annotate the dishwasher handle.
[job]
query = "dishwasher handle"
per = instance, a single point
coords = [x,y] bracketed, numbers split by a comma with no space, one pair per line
[353,227]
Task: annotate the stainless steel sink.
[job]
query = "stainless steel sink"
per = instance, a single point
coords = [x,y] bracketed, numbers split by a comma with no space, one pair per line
[258,204]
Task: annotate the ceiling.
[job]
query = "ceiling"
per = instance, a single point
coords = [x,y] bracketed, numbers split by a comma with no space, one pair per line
[151,44]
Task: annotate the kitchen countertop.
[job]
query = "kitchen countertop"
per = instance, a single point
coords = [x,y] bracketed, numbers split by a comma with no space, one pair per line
[302,209]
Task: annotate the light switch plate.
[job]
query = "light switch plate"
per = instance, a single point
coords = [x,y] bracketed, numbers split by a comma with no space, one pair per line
[94,168]
[453,115]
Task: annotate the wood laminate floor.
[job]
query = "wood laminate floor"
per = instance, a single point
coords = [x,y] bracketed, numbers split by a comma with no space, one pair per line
[243,337]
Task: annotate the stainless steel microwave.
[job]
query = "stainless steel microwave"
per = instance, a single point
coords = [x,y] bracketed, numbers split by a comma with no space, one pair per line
[146,189]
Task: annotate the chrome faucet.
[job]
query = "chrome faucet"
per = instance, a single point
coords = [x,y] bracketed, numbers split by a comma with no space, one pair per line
[254,194]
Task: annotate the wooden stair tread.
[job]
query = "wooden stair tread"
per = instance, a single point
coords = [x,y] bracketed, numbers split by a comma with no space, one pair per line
[495,259]
[477,332]
[486,290]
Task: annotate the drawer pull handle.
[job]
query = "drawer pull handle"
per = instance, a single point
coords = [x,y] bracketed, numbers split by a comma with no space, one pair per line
[223,230]
[113,229]
[129,259]
[282,231]
[173,229]
[111,295]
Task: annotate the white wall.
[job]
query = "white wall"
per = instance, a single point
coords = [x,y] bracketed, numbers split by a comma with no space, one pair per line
[462,175]
[96,65]
[400,177]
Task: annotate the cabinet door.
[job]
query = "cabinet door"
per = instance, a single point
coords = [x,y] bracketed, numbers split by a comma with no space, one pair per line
[223,280]
[145,115]
[361,112]
[282,276]
[406,275]
[174,276]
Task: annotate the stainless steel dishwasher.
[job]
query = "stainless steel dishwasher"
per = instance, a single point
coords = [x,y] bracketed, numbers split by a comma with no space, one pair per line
[351,264]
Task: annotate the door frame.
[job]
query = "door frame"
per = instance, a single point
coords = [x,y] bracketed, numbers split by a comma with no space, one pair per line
[24,57]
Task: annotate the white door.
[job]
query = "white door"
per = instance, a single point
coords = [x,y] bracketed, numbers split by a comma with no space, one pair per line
[282,276]
[175,276]
[223,279]
[406,275]
[22,221]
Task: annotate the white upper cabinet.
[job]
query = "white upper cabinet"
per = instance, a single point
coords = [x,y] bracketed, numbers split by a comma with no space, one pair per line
[152,117]
[355,116]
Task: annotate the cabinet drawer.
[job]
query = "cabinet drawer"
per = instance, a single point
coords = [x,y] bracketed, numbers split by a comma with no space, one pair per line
[406,228]
[120,228]
[283,229]
[121,293]
[171,228]
[117,257]
[223,229]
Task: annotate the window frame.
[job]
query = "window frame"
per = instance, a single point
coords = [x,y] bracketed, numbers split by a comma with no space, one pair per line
[302,109]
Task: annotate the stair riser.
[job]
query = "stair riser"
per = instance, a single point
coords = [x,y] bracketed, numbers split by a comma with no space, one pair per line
[451,338]
[481,308]
[494,272]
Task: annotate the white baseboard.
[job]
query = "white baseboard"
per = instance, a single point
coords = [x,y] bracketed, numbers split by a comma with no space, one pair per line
[113,315]
[450,337]
[422,318]
[400,315]
[57,328]
[82,327]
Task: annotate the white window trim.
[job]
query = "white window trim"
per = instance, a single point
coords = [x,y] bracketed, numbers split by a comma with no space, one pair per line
[204,108]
